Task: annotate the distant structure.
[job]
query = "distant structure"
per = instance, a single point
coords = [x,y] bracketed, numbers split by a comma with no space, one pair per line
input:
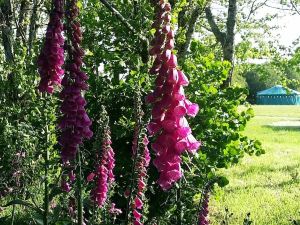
[278,95]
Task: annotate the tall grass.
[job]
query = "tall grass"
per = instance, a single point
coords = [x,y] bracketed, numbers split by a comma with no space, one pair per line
[267,186]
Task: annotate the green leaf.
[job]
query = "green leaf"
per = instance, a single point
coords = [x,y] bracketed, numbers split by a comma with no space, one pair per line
[79,4]
[24,203]
[222,181]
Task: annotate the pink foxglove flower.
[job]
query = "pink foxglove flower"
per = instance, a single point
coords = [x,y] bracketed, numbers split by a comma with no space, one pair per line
[99,193]
[113,210]
[65,186]
[90,177]
[137,215]
[75,123]
[126,193]
[169,103]
[72,176]
[51,57]
[104,175]
[72,207]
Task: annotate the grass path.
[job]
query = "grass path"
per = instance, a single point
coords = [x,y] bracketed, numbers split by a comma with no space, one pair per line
[267,186]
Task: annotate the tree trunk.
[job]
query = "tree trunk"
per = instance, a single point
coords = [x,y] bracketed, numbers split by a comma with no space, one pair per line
[228,48]
[189,32]
[21,29]
[33,25]
[226,39]
[7,31]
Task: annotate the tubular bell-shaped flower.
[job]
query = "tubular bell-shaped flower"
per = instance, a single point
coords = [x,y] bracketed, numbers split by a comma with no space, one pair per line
[113,210]
[51,57]
[168,123]
[104,171]
[65,186]
[75,123]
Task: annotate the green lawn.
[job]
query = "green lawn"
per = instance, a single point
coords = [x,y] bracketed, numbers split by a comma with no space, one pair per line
[267,186]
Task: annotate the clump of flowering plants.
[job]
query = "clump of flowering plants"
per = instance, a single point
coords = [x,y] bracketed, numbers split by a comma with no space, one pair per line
[75,123]
[172,133]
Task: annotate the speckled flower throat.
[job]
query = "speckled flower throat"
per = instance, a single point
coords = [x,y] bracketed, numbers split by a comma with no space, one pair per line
[172,133]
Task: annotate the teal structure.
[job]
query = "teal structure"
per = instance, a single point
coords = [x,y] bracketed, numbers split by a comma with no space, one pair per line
[278,95]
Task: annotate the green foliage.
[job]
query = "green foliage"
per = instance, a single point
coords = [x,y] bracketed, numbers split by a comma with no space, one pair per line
[220,120]
[24,116]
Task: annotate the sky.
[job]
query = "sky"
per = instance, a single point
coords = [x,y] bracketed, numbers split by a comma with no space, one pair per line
[290,29]
[289,24]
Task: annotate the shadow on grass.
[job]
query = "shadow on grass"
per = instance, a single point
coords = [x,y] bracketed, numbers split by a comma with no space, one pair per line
[268,169]
[283,128]
[296,222]
[265,182]
[268,186]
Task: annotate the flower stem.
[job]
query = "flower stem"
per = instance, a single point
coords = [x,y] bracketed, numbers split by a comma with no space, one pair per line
[138,116]
[13,214]
[179,203]
[46,191]
[79,190]
[131,188]
[46,167]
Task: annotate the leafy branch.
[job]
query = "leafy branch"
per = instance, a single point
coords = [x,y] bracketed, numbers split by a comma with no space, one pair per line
[295,7]
[122,19]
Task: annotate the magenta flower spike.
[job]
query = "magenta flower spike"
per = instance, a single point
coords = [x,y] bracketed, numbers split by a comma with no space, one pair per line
[141,166]
[169,103]
[75,123]
[103,175]
[141,158]
[51,57]
[203,215]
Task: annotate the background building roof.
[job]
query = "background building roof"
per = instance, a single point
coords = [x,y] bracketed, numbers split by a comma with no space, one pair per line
[278,90]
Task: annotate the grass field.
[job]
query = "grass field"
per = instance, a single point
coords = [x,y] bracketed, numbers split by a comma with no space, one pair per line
[267,186]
